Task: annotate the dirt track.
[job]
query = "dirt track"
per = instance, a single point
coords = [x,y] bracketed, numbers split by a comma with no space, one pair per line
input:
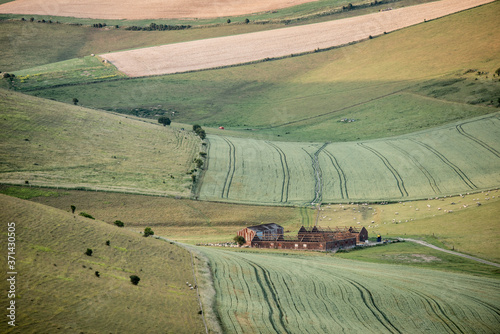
[231,50]
[151,9]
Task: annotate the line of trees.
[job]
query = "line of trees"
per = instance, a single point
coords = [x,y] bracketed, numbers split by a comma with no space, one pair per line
[159,27]
[199,131]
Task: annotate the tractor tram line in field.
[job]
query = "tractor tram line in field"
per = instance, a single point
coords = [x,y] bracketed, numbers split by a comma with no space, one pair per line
[394,172]
[231,168]
[344,194]
[286,172]
[454,167]
[480,142]
[428,176]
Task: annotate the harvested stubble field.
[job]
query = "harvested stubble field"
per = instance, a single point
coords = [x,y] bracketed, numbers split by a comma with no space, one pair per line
[57,289]
[420,165]
[152,9]
[290,293]
[54,144]
[232,50]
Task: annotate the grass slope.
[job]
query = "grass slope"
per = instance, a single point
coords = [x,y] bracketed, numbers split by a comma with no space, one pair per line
[57,289]
[327,294]
[401,78]
[50,143]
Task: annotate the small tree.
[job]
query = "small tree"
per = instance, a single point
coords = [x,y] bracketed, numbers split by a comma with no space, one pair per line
[196,128]
[73,208]
[75,101]
[228,21]
[134,279]
[119,223]
[89,252]
[247,21]
[148,231]
[239,240]
[97,274]
[108,242]
[164,120]
[198,162]
[202,134]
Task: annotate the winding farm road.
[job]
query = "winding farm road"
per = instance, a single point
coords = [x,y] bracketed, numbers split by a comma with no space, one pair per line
[246,48]
[423,243]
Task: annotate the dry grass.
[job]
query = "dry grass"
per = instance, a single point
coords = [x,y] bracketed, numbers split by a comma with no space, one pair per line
[225,51]
[152,9]
[55,144]
[57,289]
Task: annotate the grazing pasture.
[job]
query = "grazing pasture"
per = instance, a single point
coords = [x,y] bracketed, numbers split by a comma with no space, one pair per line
[57,288]
[54,144]
[232,50]
[416,166]
[290,293]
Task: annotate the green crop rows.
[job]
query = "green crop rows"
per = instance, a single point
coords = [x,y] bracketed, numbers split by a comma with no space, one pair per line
[416,166]
[280,293]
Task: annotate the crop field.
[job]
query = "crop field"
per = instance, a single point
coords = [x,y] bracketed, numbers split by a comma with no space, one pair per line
[289,293]
[420,165]
[53,144]
[231,50]
[405,85]
[134,10]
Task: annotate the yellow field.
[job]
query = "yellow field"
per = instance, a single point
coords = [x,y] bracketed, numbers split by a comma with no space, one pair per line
[152,9]
[225,51]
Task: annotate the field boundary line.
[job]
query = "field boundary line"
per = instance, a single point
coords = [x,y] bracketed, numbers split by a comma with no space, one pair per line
[423,243]
[394,172]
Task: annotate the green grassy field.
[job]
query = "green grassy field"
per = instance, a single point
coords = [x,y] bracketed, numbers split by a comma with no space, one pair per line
[287,292]
[57,288]
[394,84]
[49,143]
[416,166]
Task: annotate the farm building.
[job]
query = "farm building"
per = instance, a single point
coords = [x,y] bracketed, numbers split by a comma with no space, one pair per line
[315,238]
[263,232]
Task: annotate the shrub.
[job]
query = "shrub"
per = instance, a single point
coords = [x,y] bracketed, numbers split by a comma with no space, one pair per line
[196,128]
[119,223]
[247,20]
[86,215]
[89,252]
[239,240]
[497,72]
[134,279]
[148,231]
[228,21]
[198,162]
[108,242]
[75,101]
[164,120]
[73,208]
[97,274]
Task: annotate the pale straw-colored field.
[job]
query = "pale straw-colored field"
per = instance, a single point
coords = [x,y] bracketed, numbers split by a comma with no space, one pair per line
[232,50]
[151,9]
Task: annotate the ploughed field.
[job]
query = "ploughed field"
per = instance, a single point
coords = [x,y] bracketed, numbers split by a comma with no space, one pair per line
[225,51]
[289,293]
[416,166]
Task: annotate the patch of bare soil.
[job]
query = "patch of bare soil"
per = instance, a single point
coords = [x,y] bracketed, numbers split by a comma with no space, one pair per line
[151,9]
[239,49]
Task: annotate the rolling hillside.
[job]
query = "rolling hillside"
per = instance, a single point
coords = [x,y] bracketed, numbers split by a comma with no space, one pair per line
[58,289]
[391,85]
[50,143]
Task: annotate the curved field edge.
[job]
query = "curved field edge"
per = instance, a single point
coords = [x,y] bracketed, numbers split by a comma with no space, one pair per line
[457,158]
[232,50]
[48,143]
[296,293]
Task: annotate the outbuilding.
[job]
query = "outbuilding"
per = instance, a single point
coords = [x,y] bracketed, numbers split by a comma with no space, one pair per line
[263,232]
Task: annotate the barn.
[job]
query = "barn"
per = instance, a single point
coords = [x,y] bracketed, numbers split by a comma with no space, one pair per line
[315,238]
[263,232]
